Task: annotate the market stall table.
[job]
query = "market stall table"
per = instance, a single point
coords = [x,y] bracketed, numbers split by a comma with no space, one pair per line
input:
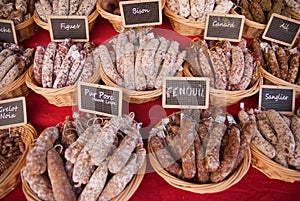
[254,185]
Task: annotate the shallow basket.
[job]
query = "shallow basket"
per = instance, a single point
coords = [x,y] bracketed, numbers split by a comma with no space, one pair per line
[125,195]
[272,169]
[131,96]
[279,82]
[61,96]
[26,29]
[11,177]
[91,20]
[115,20]
[184,26]
[224,97]
[15,89]
[251,28]
[233,179]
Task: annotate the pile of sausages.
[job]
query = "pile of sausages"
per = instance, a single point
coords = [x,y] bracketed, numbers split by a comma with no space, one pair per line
[197,10]
[89,158]
[200,146]
[14,60]
[228,66]
[11,147]
[261,11]
[18,11]
[276,135]
[61,64]
[139,60]
[280,61]
[46,8]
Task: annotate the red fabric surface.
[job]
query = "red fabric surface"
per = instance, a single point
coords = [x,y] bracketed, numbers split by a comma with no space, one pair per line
[254,185]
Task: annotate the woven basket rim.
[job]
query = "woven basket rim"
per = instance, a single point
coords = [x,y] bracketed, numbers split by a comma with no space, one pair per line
[15,89]
[182,20]
[105,14]
[11,177]
[232,96]
[91,18]
[126,194]
[24,24]
[250,23]
[131,94]
[60,96]
[278,81]
[231,180]
[272,169]
[15,84]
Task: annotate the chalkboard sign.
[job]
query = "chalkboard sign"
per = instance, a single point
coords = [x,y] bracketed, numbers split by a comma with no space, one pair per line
[141,13]
[75,27]
[185,92]
[7,31]
[279,98]
[224,27]
[99,99]
[13,112]
[282,30]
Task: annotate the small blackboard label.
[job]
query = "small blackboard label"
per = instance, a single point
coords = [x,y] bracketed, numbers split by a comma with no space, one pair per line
[282,30]
[185,92]
[7,31]
[99,99]
[141,13]
[75,27]
[13,112]
[279,98]
[224,27]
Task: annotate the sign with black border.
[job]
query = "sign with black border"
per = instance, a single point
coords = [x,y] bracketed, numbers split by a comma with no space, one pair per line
[185,92]
[99,99]
[279,98]
[8,31]
[224,27]
[75,27]
[141,13]
[282,30]
[13,112]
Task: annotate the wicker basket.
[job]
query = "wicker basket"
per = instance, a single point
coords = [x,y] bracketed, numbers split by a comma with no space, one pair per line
[125,195]
[295,16]
[224,97]
[271,79]
[131,96]
[91,20]
[201,188]
[272,169]
[15,89]
[60,97]
[115,20]
[26,29]
[11,177]
[251,29]
[184,26]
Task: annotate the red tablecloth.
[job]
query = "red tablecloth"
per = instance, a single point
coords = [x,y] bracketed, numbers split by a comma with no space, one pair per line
[254,185]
